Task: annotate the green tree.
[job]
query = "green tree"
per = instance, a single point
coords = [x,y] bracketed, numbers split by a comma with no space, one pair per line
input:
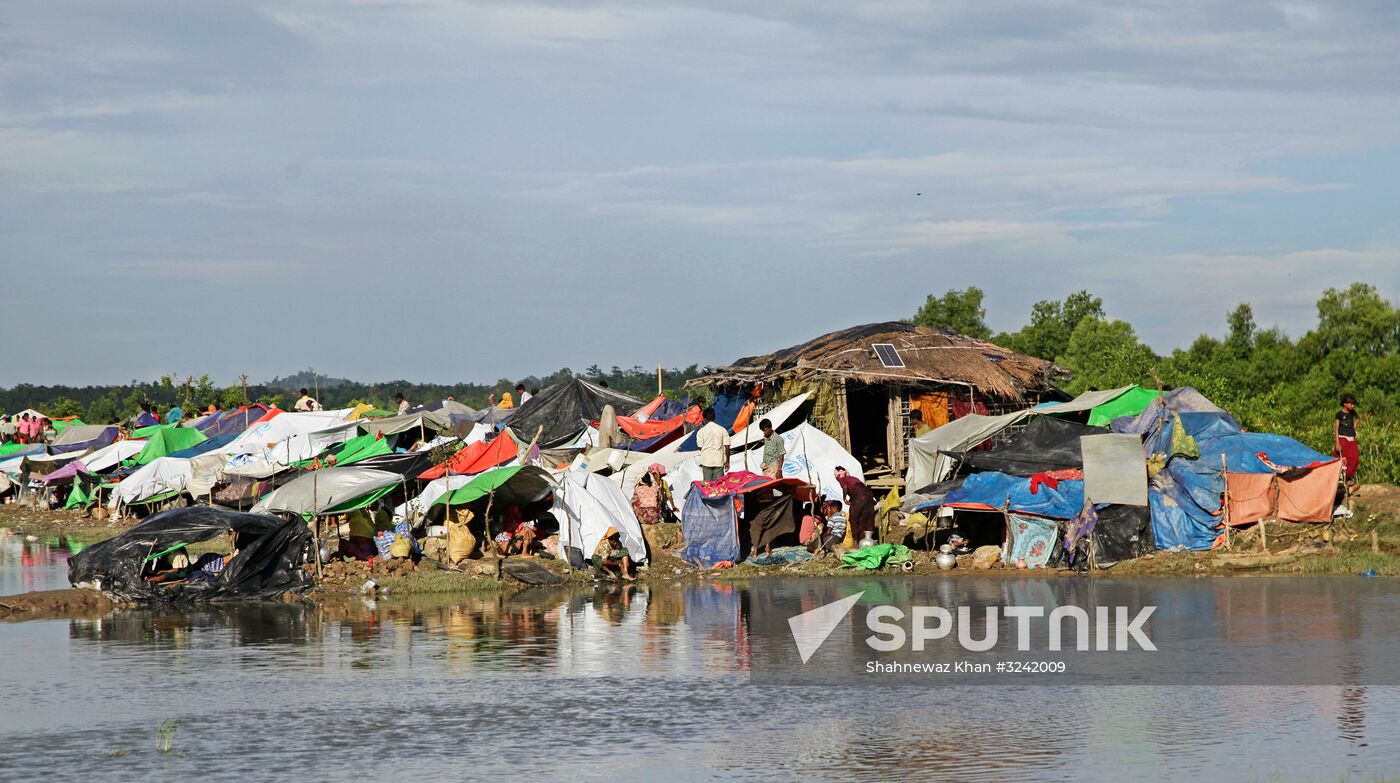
[106,409]
[1106,354]
[1052,323]
[960,311]
[63,407]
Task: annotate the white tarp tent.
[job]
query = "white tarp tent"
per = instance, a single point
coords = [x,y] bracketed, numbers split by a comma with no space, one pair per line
[161,475]
[1084,402]
[589,504]
[265,436]
[109,456]
[812,456]
[75,434]
[927,465]
[325,489]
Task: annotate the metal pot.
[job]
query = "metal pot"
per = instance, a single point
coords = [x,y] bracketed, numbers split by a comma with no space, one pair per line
[946,560]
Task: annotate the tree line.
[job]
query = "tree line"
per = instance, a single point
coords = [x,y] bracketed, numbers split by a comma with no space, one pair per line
[1269,381]
[113,403]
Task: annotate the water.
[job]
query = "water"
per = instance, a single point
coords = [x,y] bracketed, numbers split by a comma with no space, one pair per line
[25,565]
[622,684]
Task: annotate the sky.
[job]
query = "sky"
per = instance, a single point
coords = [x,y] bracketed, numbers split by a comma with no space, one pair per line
[461,191]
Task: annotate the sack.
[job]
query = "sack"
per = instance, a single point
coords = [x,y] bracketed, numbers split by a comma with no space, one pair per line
[460,541]
[401,547]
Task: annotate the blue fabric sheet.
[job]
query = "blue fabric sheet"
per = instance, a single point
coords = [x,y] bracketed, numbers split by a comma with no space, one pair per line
[204,447]
[997,489]
[710,530]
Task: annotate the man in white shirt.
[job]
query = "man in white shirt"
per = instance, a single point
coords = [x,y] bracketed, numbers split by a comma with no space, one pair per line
[403,403]
[713,441]
[521,396]
[306,403]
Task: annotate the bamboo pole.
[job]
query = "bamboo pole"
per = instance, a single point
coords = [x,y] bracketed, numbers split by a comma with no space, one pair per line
[1225,510]
[658,379]
[316,521]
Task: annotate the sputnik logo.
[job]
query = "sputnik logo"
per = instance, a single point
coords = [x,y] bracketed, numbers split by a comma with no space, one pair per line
[811,628]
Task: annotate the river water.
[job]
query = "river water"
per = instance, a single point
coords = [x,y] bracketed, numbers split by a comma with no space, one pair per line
[607,684]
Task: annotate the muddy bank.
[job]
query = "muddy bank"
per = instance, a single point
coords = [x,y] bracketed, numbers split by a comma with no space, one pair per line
[54,604]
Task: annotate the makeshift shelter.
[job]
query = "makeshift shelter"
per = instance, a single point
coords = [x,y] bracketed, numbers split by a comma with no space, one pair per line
[586,507]
[1199,448]
[84,437]
[714,511]
[929,454]
[278,427]
[864,381]
[520,485]
[166,477]
[563,411]
[232,422]
[353,450]
[268,563]
[164,442]
[109,457]
[477,457]
[811,456]
[329,491]
[1045,444]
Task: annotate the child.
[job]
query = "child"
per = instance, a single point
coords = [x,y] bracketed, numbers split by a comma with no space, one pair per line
[1345,433]
[835,531]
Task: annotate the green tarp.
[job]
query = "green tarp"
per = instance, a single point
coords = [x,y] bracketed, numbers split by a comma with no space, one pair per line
[77,498]
[60,426]
[875,556]
[480,487]
[146,432]
[358,502]
[354,450]
[165,441]
[1129,403]
[6,449]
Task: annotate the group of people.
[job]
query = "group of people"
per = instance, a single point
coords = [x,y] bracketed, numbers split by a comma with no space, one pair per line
[509,401]
[26,428]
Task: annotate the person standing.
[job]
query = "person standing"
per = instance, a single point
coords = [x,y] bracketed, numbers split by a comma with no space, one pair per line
[306,403]
[9,431]
[861,501]
[774,451]
[713,441]
[175,414]
[1344,429]
[521,394]
[402,402]
[916,419]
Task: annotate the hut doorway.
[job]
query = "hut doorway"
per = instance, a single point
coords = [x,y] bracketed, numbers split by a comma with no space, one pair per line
[868,412]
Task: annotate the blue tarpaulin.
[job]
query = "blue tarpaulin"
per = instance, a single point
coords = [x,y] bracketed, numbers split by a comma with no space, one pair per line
[710,529]
[998,489]
[205,447]
[1185,496]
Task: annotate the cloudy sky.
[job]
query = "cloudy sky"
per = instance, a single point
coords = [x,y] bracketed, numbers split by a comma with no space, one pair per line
[441,190]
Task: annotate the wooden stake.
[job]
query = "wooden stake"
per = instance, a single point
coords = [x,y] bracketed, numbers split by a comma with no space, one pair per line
[316,522]
[658,379]
[1225,510]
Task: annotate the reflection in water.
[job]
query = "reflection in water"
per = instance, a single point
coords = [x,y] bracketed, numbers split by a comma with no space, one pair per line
[40,564]
[629,682]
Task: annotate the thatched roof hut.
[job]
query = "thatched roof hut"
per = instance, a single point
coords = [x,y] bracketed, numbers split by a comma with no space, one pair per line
[864,391]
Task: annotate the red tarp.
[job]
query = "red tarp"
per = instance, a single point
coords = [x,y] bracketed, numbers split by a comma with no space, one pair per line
[476,458]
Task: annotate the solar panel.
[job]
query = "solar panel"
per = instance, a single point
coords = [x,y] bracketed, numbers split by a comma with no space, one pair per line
[888,355]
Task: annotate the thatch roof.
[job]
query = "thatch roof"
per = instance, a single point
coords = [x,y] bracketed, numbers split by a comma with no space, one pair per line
[930,356]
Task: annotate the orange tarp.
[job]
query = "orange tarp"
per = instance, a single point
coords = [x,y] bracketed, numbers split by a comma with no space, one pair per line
[934,407]
[1310,498]
[642,430]
[1251,497]
[478,457]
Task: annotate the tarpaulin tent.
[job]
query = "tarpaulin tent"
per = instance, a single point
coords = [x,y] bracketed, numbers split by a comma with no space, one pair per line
[586,507]
[354,450]
[477,457]
[146,432]
[1045,444]
[1130,403]
[61,426]
[1185,496]
[329,491]
[995,491]
[565,410]
[519,485]
[276,427]
[268,563]
[657,424]
[164,442]
[409,464]
[710,518]
[109,457]
[810,455]
[84,437]
[929,462]
[232,422]
[211,446]
[420,423]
